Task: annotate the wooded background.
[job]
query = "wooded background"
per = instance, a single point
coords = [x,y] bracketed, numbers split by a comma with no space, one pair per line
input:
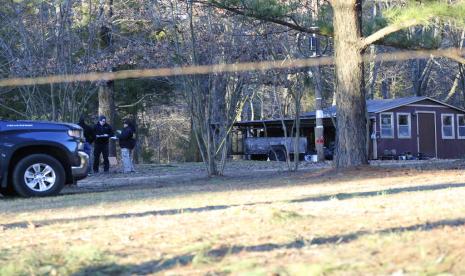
[175,114]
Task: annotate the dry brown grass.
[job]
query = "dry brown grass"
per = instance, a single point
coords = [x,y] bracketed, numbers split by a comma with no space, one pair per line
[365,221]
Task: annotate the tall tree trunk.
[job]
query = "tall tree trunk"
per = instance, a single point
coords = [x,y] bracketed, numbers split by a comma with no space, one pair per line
[52,97]
[193,153]
[459,81]
[373,65]
[137,149]
[385,89]
[462,81]
[350,94]
[106,102]
[298,104]
[106,98]
[373,73]
[252,111]
[421,70]
[106,93]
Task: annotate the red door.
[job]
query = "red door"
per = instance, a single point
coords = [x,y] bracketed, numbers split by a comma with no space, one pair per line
[427,134]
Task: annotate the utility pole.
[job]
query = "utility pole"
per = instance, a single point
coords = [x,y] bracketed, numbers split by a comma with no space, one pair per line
[316,73]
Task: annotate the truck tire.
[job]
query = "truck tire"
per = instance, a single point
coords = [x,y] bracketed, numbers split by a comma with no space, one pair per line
[38,175]
[277,154]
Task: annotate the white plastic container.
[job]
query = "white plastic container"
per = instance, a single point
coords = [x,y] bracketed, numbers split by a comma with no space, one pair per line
[314,158]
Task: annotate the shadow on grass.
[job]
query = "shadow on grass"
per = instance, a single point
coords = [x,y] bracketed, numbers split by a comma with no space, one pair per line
[156,266]
[339,196]
[39,223]
[392,191]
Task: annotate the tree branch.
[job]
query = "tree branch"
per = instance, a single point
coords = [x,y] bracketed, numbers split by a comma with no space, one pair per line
[375,38]
[137,102]
[292,26]
[366,41]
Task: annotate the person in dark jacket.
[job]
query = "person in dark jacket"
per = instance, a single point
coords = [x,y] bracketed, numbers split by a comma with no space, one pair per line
[88,130]
[89,137]
[103,133]
[127,144]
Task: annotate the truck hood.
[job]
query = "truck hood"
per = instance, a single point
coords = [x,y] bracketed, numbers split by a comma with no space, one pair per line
[34,125]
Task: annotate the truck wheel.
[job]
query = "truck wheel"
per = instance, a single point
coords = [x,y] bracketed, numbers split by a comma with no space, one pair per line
[277,154]
[38,175]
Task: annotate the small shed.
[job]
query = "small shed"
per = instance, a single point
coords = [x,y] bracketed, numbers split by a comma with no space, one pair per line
[421,126]
[400,128]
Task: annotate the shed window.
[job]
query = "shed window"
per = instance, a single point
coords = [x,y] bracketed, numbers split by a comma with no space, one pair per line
[461,126]
[387,125]
[447,126]
[404,126]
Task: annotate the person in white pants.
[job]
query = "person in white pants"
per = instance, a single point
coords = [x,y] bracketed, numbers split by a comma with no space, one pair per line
[127,144]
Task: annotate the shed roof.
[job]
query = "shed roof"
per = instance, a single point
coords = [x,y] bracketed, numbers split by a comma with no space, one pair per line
[376,106]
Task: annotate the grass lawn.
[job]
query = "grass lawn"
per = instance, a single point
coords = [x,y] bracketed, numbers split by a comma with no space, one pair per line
[366,221]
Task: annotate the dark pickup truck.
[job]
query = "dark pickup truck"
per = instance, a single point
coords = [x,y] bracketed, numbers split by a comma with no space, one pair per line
[40,158]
